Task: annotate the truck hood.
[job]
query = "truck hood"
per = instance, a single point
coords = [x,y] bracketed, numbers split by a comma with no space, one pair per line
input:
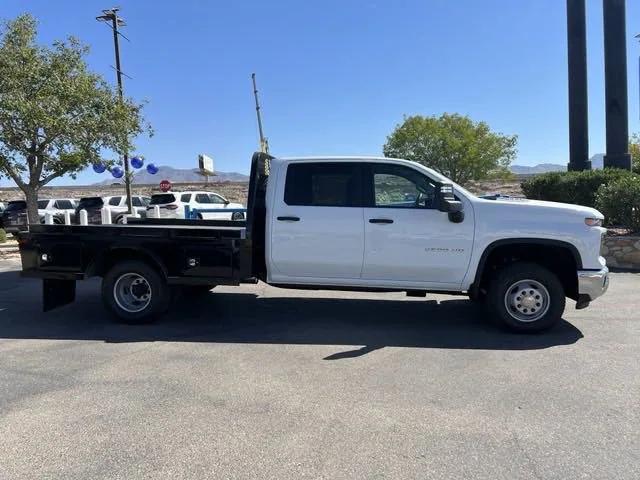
[550,207]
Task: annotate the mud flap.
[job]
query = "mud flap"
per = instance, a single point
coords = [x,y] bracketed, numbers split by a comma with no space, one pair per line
[56,293]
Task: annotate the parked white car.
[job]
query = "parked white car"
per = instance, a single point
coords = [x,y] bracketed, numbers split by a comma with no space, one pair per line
[117,205]
[172,205]
[57,208]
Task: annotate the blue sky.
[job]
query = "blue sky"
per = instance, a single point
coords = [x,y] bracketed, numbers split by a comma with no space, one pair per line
[335,77]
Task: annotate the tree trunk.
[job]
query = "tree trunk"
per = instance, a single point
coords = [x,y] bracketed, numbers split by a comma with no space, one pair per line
[31,196]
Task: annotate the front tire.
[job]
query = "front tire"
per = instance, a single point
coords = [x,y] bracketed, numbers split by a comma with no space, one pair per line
[526,298]
[134,292]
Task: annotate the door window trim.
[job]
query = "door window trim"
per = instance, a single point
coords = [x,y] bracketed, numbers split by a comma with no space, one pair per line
[368,180]
[357,199]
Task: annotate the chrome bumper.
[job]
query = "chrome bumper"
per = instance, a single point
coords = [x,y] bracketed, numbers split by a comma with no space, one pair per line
[593,283]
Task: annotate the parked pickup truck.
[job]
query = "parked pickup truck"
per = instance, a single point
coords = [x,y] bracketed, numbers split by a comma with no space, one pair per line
[373,224]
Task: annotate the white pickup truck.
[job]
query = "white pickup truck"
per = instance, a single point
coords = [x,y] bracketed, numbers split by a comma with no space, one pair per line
[356,223]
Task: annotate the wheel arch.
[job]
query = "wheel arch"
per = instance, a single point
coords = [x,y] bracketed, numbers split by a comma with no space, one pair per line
[544,252]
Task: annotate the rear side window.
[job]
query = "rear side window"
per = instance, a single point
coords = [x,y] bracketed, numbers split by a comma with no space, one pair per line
[326,184]
[42,204]
[186,197]
[162,198]
[19,205]
[136,202]
[90,202]
[114,201]
[64,204]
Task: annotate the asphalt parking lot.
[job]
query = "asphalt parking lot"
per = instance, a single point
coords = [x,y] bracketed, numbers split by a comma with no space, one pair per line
[258,382]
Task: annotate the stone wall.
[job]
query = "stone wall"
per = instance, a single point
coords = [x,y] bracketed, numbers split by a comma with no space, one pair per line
[622,252]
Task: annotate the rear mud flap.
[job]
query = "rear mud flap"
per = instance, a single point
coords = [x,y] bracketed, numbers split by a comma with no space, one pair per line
[56,293]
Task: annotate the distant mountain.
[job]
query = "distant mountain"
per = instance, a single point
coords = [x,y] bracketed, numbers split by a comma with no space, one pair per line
[540,168]
[597,161]
[180,175]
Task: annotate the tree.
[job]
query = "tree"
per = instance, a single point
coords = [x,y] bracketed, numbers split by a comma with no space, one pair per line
[55,116]
[634,150]
[454,145]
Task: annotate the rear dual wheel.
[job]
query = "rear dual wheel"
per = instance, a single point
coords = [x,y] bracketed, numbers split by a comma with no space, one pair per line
[135,292]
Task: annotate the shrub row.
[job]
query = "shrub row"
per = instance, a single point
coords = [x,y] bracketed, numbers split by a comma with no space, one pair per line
[619,202]
[571,187]
[615,192]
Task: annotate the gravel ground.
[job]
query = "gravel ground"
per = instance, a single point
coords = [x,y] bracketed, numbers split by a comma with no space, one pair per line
[258,382]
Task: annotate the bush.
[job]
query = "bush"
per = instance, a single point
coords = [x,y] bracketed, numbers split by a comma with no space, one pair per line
[619,202]
[572,187]
[3,236]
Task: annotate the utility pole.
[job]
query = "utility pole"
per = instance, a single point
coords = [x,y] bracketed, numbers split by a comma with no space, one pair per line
[578,106]
[111,15]
[615,73]
[264,143]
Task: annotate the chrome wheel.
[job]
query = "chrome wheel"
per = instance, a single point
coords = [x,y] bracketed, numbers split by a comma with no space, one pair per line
[527,300]
[132,292]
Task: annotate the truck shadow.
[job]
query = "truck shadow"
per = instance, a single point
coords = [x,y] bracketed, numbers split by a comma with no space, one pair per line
[224,317]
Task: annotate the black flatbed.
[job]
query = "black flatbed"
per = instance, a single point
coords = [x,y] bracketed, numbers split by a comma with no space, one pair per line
[183,252]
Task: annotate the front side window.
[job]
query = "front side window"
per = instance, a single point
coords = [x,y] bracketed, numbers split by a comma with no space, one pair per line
[136,202]
[396,186]
[203,198]
[324,184]
[42,204]
[217,199]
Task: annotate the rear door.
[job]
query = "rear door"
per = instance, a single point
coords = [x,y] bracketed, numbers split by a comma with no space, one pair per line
[317,230]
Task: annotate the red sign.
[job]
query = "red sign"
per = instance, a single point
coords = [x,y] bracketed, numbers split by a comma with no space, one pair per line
[165,185]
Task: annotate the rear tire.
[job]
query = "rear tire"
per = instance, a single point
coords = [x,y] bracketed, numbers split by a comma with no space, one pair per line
[526,298]
[134,292]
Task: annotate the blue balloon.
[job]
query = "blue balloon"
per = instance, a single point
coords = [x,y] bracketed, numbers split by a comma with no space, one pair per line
[117,172]
[99,167]
[152,169]
[137,162]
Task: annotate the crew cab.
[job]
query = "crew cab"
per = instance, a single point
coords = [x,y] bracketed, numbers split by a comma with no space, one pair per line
[361,223]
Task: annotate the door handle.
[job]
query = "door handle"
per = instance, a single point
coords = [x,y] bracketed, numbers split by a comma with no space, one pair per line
[380,220]
[289,219]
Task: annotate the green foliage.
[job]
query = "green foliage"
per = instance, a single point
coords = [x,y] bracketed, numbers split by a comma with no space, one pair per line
[454,145]
[619,201]
[571,187]
[3,236]
[634,150]
[55,115]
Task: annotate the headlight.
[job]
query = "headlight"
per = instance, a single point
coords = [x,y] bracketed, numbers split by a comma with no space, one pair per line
[593,222]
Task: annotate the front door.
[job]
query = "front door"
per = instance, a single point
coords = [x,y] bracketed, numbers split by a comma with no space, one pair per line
[407,239]
[317,228]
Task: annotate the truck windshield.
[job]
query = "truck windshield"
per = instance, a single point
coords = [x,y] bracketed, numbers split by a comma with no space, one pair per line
[162,198]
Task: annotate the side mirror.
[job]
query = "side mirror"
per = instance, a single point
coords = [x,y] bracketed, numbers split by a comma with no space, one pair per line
[447,203]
